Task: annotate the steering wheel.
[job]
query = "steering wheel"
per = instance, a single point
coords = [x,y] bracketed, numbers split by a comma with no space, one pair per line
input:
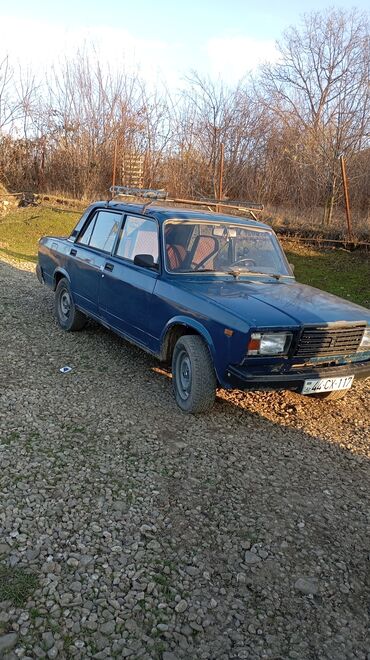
[242,261]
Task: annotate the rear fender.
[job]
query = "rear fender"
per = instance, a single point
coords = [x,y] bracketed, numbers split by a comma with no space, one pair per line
[58,274]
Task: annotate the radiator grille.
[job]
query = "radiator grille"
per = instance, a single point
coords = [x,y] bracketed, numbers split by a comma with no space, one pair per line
[329,341]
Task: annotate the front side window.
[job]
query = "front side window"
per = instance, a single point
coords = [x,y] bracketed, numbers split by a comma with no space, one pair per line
[222,247]
[139,236]
[101,231]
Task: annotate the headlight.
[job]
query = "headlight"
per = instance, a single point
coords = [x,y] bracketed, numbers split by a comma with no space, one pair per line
[274,343]
[365,341]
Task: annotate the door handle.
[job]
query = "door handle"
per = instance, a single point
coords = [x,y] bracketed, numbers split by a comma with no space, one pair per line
[73,252]
[109,267]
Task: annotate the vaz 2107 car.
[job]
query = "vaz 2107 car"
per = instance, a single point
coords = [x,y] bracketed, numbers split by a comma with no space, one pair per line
[212,294]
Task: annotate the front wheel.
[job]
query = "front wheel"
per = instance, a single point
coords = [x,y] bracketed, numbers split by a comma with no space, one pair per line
[193,376]
[69,318]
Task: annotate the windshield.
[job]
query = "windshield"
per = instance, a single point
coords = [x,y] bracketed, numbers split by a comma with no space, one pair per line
[222,247]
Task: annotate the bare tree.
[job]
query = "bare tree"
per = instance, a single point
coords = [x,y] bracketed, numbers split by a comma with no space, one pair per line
[320,85]
[10,105]
[282,134]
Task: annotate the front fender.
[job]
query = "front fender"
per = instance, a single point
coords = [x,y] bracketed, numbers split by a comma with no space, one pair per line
[189,322]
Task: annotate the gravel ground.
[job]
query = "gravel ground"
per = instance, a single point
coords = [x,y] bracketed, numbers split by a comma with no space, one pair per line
[151,534]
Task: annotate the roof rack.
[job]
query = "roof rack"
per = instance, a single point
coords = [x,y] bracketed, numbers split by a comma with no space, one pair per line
[146,193]
[152,195]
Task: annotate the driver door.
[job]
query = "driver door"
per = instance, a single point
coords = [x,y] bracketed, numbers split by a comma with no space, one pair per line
[126,289]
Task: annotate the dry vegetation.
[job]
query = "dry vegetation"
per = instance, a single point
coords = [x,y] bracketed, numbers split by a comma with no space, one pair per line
[283,131]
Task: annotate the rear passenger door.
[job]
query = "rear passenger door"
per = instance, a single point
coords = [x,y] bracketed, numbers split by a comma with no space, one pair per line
[126,291]
[87,257]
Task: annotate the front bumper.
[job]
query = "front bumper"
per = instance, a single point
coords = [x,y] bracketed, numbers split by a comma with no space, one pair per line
[242,378]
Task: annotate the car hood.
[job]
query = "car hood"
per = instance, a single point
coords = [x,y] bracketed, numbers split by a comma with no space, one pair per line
[278,303]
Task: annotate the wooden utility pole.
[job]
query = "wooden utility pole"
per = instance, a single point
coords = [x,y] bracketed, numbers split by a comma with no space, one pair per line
[221,175]
[346,197]
[114,165]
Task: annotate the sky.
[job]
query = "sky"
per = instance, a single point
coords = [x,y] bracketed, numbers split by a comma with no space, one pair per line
[163,41]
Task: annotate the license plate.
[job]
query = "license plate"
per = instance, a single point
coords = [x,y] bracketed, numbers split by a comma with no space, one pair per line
[327,384]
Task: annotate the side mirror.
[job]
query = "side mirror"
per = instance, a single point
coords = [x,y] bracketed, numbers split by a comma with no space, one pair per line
[146,261]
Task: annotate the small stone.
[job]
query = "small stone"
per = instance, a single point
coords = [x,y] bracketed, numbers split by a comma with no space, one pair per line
[146,529]
[246,545]
[163,627]
[108,627]
[73,562]
[196,626]
[7,642]
[121,506]
[167,655]
[307,585]
[251,558]
[85,560]
[33,553]
[76,587]
[213,603]
[154,545]
[181,606]
[4,549]
[150,587]
[192,570]
[48,639]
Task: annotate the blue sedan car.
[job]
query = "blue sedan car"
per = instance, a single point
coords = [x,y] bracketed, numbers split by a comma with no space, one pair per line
[211,294]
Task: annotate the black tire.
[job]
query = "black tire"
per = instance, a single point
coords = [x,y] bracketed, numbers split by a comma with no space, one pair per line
[69,318]
[193,376]
[329,396]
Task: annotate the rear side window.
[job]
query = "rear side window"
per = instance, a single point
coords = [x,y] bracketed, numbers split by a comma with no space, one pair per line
[101,231]
[85,236]
[139,236]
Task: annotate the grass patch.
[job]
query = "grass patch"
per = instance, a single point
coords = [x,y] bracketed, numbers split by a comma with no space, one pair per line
[16,585]
[12,437]
[21,229]
[35,613]
[346,274]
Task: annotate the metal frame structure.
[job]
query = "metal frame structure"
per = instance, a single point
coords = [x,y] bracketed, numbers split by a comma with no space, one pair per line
[152,195]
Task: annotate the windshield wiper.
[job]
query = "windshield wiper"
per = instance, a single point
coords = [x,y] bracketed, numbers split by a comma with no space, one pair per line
[237,272]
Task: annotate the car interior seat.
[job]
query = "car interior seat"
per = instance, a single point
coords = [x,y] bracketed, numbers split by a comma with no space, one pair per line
[203,252]
[176,256]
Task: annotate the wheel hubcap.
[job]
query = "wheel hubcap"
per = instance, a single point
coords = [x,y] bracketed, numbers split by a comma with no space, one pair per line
[183,375]
[65,305]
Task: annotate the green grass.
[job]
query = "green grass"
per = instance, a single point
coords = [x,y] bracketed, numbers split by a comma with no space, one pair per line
[16,585]
[8,439]
[346,274]
[21,229]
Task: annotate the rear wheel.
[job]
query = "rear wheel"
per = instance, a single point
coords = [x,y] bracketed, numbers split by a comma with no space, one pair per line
[330,396]
[193,376]
[69,318]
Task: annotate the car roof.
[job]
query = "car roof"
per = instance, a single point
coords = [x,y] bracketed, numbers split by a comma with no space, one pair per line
[161,213]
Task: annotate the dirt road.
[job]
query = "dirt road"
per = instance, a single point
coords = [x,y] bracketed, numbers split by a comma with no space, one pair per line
[151,534]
